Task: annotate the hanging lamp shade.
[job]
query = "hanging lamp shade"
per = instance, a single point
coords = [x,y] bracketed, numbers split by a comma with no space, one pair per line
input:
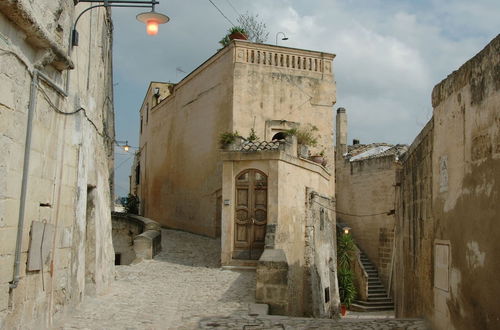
[152,20]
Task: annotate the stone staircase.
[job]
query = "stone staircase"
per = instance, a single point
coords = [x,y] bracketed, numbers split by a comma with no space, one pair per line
[378,299]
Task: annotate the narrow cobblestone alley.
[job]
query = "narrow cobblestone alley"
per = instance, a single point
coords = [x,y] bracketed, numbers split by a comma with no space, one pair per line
[184,288]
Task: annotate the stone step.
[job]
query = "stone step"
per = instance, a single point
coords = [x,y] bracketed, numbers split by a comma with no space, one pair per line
[362,308]
[380,299]
[373,303]
[378,290]
[374,279]
[377,295]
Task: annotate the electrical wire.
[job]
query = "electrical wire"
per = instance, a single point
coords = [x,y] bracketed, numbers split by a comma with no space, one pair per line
[220,11]
[236,11]
[350,214]
[59,111]
[123,162]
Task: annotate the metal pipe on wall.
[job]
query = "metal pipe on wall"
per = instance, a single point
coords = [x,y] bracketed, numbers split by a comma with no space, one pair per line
[24,182]
[37,75]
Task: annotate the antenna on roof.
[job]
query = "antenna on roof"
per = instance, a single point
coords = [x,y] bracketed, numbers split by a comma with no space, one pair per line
[177,71]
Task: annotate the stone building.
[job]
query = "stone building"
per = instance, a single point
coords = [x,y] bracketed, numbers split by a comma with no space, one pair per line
[447,232]
[255,195]
[57,133]
[365,191]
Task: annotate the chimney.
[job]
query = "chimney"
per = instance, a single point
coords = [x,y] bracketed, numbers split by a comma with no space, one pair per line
[341,133]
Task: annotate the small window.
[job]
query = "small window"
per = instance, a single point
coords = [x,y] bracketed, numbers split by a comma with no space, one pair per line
[243,177]
[279,136]
[327,294]
[118,259]
[138,174]
[321,219]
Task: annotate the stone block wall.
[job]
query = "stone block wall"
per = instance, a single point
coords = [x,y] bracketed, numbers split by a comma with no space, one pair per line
[70,153]
[272,281]
[447,229]
[364,200]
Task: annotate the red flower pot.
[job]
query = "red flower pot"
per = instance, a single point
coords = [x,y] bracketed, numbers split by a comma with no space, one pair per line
[238,35]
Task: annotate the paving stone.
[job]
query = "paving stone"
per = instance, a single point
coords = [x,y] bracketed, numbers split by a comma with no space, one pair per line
[184,288]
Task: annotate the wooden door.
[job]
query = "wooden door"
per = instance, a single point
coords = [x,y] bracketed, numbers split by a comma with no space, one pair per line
[250,214]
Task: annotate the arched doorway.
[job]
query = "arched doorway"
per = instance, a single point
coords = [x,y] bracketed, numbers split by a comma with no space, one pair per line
[250,214]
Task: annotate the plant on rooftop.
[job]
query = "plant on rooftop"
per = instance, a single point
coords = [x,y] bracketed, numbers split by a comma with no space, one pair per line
[305,136]
[253,136]
[226,138]
[257,30]
[236,32]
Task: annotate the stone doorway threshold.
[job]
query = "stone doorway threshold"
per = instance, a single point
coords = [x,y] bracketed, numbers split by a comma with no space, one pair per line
[241,264]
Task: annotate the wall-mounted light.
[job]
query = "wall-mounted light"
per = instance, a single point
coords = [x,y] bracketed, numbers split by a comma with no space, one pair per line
[346,230]
[152,19]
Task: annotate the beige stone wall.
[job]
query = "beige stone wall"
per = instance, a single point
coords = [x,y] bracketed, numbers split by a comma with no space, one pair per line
[275,83]
[234,90]
[288,180]
[68,184]
[414,229]
[179,151]
[463,241]
[364,188]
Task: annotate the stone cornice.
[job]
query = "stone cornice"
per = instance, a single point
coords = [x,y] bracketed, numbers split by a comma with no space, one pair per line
[17,12]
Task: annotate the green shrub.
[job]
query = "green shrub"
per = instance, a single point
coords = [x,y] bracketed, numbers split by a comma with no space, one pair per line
[236,29]
[252,137]
[227,138]
[304,135]
[345,251]
[131,204]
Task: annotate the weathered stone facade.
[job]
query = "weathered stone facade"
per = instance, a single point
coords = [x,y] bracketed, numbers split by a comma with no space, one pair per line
[254,195]
[365,191]
[243,86]
[447,228]
[57,134]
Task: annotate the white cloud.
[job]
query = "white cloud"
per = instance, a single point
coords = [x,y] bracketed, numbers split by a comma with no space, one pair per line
[390,54]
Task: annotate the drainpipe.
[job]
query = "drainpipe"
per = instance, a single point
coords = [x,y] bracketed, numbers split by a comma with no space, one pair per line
[24,184]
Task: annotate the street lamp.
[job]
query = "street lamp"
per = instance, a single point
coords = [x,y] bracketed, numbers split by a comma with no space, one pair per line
[123,144]
[152,19]
[284,37]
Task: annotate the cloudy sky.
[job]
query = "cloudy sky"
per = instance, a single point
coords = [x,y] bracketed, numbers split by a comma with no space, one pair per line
[390,54]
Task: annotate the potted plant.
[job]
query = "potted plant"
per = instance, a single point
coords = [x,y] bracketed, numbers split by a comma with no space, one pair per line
[345,276]
[305,139]
[226,139]
[319,158]
[236,32]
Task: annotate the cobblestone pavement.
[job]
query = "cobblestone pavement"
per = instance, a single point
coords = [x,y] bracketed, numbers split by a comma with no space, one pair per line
[184,288]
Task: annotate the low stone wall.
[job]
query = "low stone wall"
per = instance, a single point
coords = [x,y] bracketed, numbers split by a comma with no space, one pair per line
[134,237]
[272,281]
[361,277]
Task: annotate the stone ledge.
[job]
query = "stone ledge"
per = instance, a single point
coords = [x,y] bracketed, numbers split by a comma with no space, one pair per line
[147,244]
[38,36]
